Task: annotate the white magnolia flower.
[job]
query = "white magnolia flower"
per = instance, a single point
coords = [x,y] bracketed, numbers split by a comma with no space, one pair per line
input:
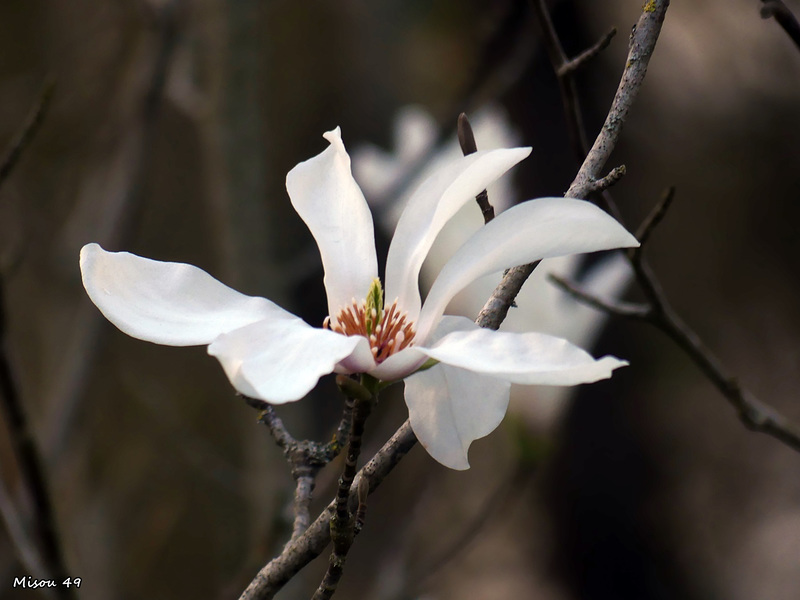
[270,354]
[540,305]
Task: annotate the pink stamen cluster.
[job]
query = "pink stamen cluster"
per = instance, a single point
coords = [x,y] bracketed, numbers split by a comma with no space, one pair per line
[392,334]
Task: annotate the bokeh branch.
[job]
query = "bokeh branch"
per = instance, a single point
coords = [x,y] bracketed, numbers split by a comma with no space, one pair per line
[657,311]
[29,461]
[27,133]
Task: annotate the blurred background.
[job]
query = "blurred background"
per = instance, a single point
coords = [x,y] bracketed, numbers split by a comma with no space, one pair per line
[172,126]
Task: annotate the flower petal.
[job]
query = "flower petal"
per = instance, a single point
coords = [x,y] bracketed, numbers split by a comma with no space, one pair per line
[449,407]
[429,209]
[526,358]
[281,361]
[167,303]
[530,231]
[328,199]
[399,365]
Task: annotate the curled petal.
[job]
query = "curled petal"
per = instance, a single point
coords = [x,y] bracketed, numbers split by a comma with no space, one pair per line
[281,361]
[526,358]
[429,209]
[167,303]
[328,199]
[449,407]
[530,231]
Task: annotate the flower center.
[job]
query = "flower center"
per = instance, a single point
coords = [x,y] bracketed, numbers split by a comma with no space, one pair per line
[387,329]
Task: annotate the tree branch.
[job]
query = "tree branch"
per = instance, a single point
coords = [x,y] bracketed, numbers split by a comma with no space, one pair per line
[343,521]
[657,311]
[584,57]
[311,544]
[305,458]
[642,43]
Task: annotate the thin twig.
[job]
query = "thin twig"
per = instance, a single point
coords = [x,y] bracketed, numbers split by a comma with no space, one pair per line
[466,139]
[642,43]
[656,215]
[756,415]
[496,309]
[273,422]
[602,184]
[565,72]
[305,458]
[27,133]
[343,524]
[566,83]
[628,310]
[313,542]
[784,17]
[584,57]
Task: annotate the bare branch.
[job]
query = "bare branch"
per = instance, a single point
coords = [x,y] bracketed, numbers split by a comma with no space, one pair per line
[654,218]
[643,41]
[466,139]
[311,544]
[566,83]
[620,309]
[273,422]
[343,523]
[756,415]
[584,57]
[602,184]
[496,309]
[305,458]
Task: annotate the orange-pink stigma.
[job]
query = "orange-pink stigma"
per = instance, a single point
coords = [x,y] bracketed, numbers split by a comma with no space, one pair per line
[392,333]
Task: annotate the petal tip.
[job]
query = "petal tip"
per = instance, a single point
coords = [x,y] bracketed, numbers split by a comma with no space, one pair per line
[334,136]
[89,251]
